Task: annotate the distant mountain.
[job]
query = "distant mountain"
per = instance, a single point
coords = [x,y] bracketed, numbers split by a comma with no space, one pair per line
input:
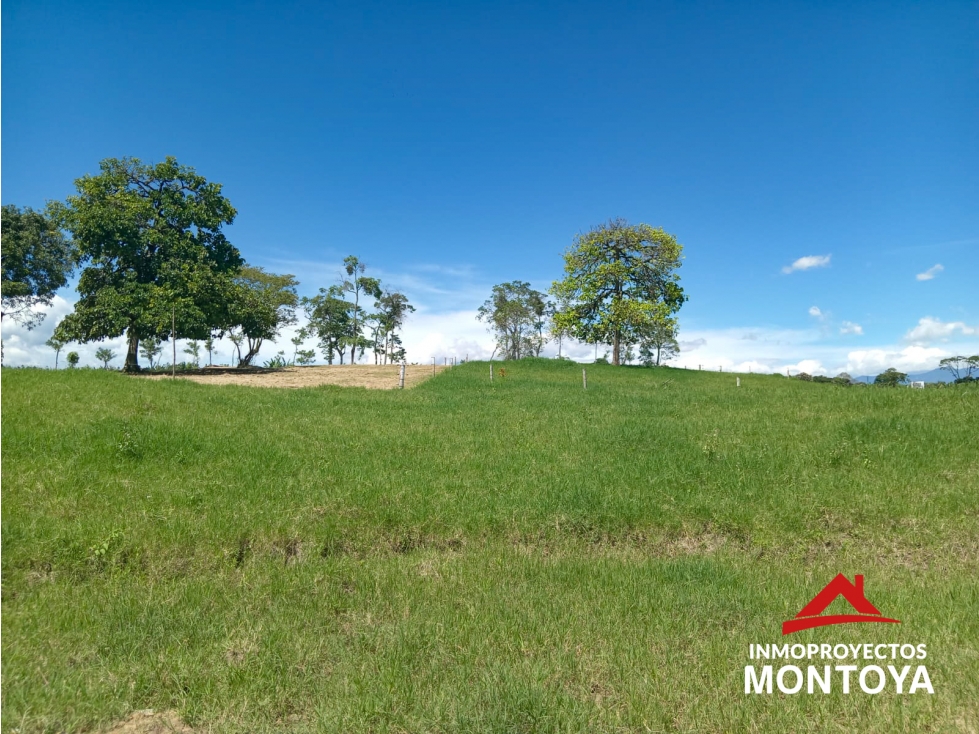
[936,375]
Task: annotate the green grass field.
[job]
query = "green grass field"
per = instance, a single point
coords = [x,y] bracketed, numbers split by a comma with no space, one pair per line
[467,556]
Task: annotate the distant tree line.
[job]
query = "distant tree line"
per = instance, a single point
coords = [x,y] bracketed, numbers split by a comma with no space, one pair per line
[962,369]
[156,265]
[340,324]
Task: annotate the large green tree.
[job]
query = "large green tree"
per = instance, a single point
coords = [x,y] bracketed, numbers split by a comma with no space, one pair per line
[515,314]
[150,238]
[891,378]
[261,305]
[36,261]
[619,281]
[392,310]
[329,320]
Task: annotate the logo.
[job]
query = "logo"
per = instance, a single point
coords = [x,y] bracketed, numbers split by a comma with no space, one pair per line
[812,613]
[836,666]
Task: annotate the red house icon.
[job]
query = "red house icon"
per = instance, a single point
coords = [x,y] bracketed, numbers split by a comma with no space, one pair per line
[812,613]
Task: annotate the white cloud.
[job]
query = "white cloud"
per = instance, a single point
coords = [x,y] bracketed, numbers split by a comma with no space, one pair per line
[444,335]
[810,350]
[909,359]
[809,366]
[750,366]
[692,345]
[754,349]
[815,311]
[849,327]
[808,262]
[930,272]
[931,330]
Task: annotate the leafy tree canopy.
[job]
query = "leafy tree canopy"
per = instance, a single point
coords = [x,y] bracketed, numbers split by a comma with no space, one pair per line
[262,304]
[516,315]
[150,349]
[36,261]
[57,345]
[392,310]
[150,237]
[657,342]
[960,367]
[891,378]
[329,319]
[619,281]
[104,355]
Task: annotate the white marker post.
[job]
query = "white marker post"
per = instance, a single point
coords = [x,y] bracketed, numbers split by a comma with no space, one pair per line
[584,379]
[433,366]
[401,377]
[173,334]
[491,372]
[739,381]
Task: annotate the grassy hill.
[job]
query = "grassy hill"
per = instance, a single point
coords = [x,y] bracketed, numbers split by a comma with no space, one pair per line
[465,556]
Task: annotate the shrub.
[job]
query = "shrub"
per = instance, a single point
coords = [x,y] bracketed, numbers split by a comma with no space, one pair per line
[277,362]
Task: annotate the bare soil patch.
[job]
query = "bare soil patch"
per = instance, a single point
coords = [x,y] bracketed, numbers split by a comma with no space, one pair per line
[375,377]
[149,722]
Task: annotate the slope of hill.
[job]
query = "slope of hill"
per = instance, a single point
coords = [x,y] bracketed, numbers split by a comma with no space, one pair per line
[476,556]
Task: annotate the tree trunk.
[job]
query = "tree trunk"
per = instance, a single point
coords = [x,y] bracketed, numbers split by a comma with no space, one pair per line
[132,352]
[615,349]
[253,348]
[353,349]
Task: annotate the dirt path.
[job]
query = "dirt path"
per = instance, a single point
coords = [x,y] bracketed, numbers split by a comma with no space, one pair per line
[361,375]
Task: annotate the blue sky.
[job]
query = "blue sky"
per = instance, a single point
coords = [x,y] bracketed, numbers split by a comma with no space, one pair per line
[452,146]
